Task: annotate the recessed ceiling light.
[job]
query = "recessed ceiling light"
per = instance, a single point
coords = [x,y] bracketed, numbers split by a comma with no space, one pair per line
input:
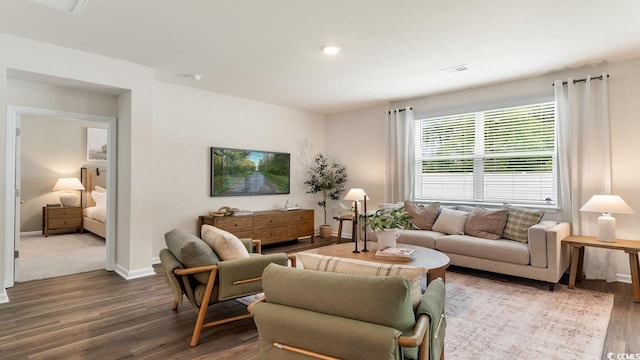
[455,69]
[330,50]
[69,6]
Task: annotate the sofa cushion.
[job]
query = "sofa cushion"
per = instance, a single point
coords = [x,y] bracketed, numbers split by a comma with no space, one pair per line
[488,224]
[424,238]
[360,267]
[226,245]
[450,221]
[500,250]
[190,251]
[422,217]
[518,223]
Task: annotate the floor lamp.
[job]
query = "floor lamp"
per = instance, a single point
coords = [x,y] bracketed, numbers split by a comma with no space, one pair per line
[356,194]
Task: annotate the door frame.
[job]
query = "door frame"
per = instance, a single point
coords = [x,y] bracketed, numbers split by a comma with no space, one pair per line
[12,228]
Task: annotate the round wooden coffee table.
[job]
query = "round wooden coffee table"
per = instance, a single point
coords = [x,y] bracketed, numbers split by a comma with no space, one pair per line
[434,262]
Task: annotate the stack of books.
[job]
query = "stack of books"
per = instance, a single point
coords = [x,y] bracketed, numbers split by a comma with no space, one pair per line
[394,253]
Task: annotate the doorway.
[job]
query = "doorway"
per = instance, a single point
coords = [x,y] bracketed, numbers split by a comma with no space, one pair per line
[49,149]
[13,177]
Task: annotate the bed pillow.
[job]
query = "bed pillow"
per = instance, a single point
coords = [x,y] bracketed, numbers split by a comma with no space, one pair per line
[100,198]
[226,245]
[99,188]
[451,222]
[422,217]
[518,223]
[487,224]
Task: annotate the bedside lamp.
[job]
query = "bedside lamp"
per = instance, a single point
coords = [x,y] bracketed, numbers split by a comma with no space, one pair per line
[355,195]
[607,205]
[69,198]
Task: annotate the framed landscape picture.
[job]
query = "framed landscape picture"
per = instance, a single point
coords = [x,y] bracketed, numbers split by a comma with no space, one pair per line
[96,144]
[237,172]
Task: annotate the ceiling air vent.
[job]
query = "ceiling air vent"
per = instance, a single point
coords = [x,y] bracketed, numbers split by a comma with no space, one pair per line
[73,7]
[455,69]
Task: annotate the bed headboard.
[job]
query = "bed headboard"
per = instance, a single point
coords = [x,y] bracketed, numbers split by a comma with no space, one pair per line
[90,177]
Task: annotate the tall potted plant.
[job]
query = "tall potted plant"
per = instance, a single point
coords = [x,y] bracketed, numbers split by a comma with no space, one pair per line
[328,179]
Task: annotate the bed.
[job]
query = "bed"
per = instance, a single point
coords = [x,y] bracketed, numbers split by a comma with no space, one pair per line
[94,200]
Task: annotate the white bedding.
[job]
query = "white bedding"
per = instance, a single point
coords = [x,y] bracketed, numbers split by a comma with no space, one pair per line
[96,213]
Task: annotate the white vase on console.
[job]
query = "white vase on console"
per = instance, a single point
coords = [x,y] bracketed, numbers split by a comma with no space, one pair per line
[387,238]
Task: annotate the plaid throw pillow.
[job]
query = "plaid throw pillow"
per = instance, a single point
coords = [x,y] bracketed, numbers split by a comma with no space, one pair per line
[518,223]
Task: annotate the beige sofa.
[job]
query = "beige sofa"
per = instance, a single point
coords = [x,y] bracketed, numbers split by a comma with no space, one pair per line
[541,256]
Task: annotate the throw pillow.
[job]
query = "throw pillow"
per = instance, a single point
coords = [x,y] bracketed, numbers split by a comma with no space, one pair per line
[224,243]
[488,224]
[518,223]
[100,197]
[190,251]
[361,267]
[451,222]
[422,217]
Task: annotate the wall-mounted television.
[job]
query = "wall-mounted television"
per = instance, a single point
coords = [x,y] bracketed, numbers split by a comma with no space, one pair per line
[236,172]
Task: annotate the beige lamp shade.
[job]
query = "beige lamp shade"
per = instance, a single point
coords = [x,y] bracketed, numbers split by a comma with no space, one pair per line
[611,204]
[607,205]
[69,199]
[356,194]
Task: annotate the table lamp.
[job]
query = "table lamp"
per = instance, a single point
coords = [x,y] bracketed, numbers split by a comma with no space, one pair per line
[607,205]
[69,198]
[356,194]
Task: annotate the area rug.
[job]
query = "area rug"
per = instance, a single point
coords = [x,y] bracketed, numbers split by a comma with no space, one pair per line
[58,255]
[490,319]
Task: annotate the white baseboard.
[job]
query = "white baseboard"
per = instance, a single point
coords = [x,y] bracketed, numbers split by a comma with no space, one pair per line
[135,274]
[4,298]
[31,233]
[623,278]
[155,260]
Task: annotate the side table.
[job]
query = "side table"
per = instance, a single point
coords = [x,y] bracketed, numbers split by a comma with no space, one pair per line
[57,218]
[578,243]
[340,219]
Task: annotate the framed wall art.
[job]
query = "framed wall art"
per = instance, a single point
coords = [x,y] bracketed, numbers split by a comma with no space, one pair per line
[96,144]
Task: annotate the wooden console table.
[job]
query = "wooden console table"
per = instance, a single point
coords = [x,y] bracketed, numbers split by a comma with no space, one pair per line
[270,226]
[578,243]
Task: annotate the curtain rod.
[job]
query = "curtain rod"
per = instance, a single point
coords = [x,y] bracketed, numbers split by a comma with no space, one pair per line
[582,80]
[399,110]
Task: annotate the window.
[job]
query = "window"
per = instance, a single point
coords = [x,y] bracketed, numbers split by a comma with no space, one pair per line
[491,156]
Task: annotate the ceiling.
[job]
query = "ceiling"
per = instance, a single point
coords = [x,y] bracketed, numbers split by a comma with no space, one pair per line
[269,50]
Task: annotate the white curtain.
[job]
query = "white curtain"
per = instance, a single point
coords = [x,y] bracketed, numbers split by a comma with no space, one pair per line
[585,161]
[399,165]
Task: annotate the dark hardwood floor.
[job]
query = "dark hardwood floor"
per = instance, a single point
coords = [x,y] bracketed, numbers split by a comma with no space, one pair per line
[99,315]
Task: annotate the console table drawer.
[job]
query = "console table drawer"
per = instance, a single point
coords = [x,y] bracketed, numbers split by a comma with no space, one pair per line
[271,235]
[265,221]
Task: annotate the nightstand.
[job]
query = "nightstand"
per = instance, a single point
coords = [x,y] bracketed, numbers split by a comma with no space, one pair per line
[56,218]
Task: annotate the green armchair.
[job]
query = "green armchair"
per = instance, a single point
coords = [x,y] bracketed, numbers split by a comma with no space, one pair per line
[193,270]
[315,314]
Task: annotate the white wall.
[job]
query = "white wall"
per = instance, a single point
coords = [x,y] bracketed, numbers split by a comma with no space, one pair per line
[356,139]
[188,121]
[624,92]
[134,125]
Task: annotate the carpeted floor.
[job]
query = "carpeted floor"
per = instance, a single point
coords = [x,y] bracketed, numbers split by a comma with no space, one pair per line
[489,319]
[58,255]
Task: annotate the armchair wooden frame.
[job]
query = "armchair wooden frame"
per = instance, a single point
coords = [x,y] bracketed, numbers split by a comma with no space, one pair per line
[202,310]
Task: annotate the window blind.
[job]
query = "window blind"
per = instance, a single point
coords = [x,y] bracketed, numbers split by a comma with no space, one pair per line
[497,155]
